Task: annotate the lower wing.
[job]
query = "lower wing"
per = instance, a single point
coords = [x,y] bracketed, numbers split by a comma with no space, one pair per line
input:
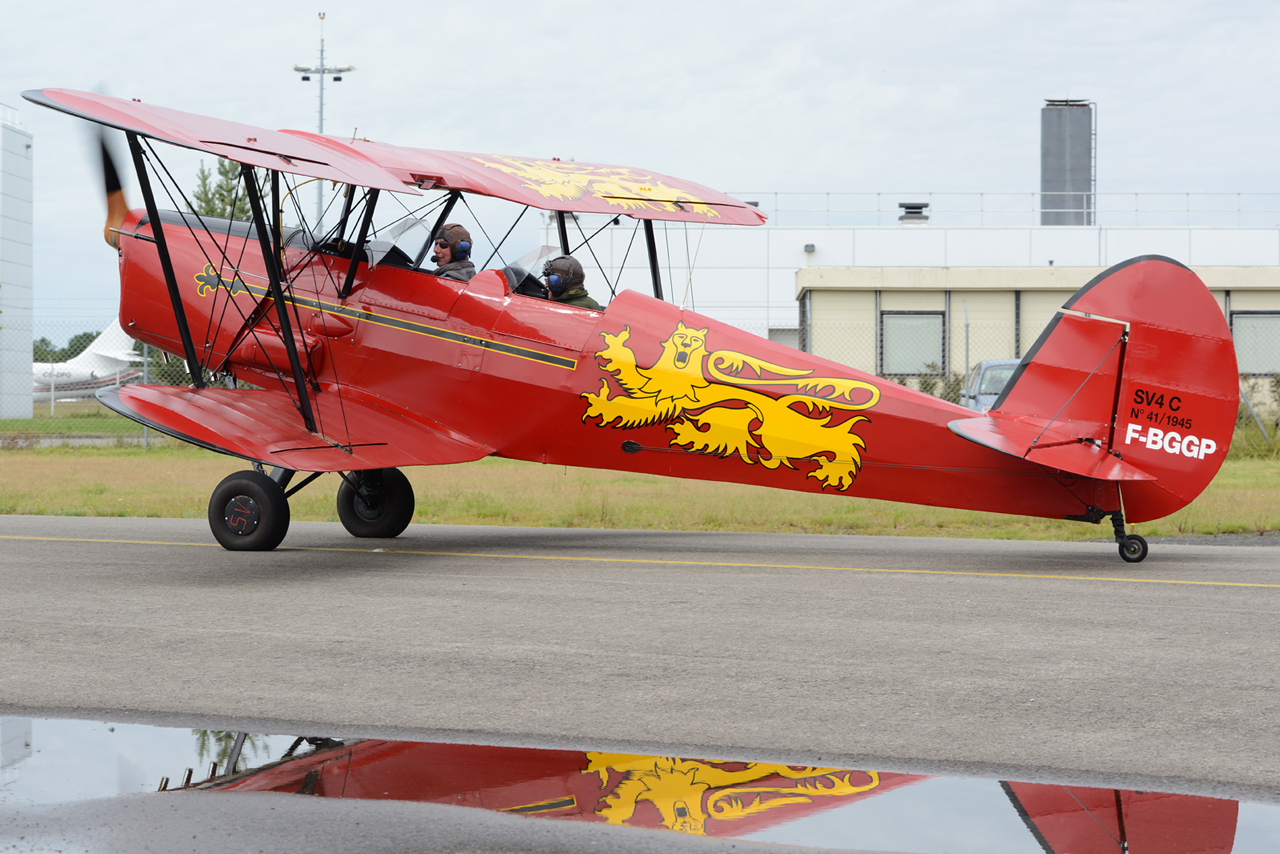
[263,425]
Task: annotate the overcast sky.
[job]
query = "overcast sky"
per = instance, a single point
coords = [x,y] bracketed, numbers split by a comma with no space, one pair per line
[746,96]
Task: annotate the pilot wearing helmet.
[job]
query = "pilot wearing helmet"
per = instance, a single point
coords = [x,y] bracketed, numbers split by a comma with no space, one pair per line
[453,253]
[564,282]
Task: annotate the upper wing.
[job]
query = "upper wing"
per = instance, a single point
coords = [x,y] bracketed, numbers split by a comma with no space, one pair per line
[310,155]
[262,425]
[558,185]
[545,184]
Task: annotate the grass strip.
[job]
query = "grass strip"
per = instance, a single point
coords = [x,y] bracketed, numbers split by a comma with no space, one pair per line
[175,481]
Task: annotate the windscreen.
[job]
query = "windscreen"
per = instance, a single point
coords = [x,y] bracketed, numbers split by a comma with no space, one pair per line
[410,235]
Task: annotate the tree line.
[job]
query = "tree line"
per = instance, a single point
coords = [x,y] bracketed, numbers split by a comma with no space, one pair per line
[44,350]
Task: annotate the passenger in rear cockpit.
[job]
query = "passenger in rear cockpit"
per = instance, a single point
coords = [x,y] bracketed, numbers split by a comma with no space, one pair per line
[453,254]
[565,282]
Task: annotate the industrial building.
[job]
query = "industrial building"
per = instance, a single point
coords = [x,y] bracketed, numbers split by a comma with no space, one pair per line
[15,266]
[934,294]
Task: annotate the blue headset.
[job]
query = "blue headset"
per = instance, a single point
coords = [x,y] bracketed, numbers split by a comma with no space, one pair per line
[461,253]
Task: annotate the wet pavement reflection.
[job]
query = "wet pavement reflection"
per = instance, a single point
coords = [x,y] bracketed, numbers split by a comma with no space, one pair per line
[47,761]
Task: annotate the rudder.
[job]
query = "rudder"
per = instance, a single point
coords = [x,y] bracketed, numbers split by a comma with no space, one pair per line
[1179,387]
[1161,398]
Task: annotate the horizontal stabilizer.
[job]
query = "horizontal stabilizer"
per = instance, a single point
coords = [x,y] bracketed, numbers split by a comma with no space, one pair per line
[1058,446]
[263,425]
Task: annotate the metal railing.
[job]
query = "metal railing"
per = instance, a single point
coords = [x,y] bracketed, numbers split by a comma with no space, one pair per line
[967,210]
[9,115]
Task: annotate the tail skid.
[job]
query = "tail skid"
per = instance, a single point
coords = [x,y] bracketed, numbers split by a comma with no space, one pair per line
[1140,388]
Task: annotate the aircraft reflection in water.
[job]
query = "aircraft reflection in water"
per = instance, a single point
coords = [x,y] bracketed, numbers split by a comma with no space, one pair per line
[712,798]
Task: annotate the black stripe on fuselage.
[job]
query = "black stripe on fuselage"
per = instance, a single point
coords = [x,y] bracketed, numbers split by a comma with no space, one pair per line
[420,329]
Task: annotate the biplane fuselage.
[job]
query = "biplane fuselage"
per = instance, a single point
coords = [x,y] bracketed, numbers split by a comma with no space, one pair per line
[522,377]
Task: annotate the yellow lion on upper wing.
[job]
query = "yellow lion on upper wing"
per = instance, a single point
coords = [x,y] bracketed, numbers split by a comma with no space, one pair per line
[719,416]
[626,188]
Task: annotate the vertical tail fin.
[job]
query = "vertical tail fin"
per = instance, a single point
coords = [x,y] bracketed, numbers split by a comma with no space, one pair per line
[1141,389]
[1179,388]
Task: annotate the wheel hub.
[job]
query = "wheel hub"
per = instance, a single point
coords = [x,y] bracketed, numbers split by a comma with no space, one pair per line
[370,509]
[242,515]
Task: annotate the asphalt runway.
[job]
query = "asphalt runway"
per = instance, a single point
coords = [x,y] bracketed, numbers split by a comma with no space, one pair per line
[1016,659]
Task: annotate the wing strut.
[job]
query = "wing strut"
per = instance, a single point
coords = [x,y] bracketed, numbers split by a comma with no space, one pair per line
[166,263]
[277,294]
[654,270]
[564,232]
[444,214]
[371,202]
[348,199]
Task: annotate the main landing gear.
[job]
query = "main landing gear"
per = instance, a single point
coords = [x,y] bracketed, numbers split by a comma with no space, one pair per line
[375,503]
[249,510]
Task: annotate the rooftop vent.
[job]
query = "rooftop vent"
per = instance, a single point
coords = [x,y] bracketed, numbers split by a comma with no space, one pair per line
[913,213]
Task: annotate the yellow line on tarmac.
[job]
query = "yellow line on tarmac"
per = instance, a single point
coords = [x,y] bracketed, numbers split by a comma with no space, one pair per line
[98,540]
[663,562]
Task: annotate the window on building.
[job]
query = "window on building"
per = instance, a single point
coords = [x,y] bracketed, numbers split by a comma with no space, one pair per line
[910,340]
[1257,337]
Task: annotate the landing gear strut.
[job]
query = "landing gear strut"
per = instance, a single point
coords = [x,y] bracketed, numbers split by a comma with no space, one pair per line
[1133,548]
[375,503]
[249,510]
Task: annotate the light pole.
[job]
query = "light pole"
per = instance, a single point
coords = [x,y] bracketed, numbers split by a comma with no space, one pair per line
[320,71]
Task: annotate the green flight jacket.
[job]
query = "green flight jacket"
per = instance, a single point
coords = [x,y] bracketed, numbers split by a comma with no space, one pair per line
[580,298]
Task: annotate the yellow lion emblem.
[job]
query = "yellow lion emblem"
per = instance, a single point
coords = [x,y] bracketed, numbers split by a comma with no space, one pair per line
[629,189]
[688,792]
[718,416]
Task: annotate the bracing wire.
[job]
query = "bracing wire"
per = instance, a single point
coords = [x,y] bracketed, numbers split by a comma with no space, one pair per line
[208,349]
[666,238]
[504,238]
[586,241]
[1115,344]
[496,246]
[613,286]
[688,288]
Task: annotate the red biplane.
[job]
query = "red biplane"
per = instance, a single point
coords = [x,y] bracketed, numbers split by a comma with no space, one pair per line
[362,361]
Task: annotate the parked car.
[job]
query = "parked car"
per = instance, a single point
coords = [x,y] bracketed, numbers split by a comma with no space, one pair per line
[986,380]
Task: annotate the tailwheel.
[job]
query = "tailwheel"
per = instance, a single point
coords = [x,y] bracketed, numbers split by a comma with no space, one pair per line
[375,503]
[248,512]
[1133,549]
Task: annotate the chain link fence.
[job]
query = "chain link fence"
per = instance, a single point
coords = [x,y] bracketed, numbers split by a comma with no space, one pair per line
[69,363]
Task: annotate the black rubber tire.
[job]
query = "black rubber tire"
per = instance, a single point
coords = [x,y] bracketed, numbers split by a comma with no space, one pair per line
[389,515]
[1133,549]
[248,512]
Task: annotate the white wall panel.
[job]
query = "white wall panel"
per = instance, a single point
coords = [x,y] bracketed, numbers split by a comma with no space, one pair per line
[15,272]
[988,247]
[916,246]
[1234,247]
[1066,246]
[1121,244]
